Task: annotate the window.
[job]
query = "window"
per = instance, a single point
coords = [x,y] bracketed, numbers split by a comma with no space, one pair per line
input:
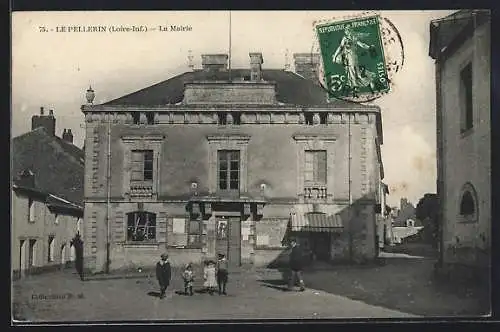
[221,229]
[467,207]
[136,117]
[50,255]
[78,225]
[141,226]
[142,165]
[315,167]
[466,95]
[32,252]
[31,207]
[194,232]
[308,118]
[229,169]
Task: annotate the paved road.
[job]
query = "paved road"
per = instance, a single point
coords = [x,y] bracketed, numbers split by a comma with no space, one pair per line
[130,299]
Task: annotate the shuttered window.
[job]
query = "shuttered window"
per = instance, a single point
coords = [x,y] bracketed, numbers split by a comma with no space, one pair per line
[229,169]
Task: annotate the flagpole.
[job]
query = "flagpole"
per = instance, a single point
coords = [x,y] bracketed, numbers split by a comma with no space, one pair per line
[229,60]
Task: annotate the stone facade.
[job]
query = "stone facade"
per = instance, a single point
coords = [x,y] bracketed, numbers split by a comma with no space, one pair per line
[33,224]
[464,153]
[184,141]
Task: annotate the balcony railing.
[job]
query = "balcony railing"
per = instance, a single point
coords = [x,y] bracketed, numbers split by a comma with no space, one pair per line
[141,189]
[315,191]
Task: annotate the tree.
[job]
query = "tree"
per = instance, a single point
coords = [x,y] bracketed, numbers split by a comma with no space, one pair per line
[427,212]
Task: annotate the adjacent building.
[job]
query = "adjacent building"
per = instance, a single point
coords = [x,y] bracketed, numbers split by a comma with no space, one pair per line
[230,160]
[461,46]
[384,221]
[46,197]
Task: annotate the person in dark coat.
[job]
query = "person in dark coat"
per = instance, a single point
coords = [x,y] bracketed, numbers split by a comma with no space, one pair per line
[77,243]
[296,266]
[163,274]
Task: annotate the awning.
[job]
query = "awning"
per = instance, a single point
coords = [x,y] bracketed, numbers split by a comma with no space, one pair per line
[316,222]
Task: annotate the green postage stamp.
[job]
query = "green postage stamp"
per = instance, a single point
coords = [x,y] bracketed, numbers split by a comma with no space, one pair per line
[353,58]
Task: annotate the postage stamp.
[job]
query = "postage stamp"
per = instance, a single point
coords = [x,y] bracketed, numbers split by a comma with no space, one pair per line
[353,58]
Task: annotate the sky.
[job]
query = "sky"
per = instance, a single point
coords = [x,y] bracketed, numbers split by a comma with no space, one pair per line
[54,69]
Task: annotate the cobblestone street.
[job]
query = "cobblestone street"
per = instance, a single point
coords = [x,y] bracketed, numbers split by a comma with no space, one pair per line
[134,299]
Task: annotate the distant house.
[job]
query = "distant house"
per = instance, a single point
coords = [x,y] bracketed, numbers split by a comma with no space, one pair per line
[46,197]
[460,44]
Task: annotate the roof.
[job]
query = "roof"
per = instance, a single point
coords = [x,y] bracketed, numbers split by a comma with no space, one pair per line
[291,89]
[449,32]
[58,166]
[54,203]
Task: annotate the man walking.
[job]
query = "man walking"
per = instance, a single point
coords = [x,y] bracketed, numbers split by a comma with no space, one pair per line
[296,263]
[163,274]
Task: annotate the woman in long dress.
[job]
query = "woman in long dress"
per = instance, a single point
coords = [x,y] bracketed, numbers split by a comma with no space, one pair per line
[347,56]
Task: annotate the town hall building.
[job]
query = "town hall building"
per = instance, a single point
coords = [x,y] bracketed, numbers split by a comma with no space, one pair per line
[233,161]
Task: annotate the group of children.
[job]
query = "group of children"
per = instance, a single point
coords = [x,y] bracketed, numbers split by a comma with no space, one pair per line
[215,275]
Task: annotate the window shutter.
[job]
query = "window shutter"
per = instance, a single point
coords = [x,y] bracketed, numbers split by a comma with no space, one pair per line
[161,227]
[321,166]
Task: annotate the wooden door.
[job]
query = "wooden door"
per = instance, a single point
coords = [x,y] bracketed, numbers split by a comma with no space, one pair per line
[234,247]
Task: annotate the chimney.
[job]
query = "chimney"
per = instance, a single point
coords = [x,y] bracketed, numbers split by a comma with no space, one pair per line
[67,136]
[26,178]
[46,121]
[307,65]
[214,62]
[256,62]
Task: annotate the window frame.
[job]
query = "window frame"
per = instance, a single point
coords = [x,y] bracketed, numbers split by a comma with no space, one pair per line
[473,217]
[227,142]
[231,156]
[315,171]
[146,214]
[141,143]
[466,95]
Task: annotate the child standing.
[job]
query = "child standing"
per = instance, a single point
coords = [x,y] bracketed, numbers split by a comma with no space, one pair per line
[209,276]
[188,277]
[222,273]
